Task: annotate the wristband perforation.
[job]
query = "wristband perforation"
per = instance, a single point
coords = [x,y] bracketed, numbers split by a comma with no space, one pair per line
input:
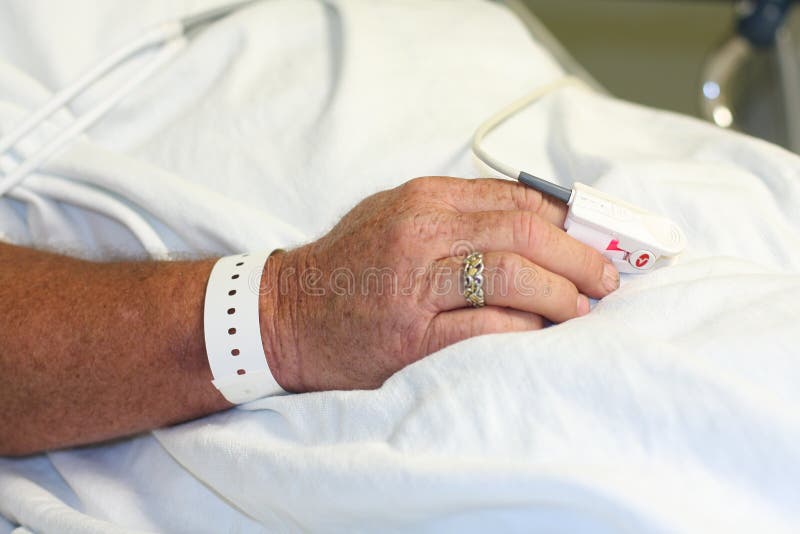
[233,332]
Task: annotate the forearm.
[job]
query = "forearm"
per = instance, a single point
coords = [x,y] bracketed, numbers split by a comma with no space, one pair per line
[91,351]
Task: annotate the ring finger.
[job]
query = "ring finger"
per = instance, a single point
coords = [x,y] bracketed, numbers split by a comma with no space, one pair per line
[511,281]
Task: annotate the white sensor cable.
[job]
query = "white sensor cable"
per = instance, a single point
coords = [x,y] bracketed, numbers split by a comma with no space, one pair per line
[632,239]
[493,122]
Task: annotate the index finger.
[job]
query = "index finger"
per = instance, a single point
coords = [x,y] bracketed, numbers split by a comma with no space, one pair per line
[494,194]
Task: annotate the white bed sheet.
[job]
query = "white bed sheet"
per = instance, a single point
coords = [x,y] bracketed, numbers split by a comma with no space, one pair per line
[671,407]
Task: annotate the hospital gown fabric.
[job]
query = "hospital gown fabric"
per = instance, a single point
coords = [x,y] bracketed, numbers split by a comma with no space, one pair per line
[672,407]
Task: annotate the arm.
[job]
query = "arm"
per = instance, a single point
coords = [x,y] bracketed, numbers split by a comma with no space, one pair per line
[92,351]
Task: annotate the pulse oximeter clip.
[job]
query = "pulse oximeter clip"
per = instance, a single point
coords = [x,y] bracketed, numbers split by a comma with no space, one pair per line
[634,240]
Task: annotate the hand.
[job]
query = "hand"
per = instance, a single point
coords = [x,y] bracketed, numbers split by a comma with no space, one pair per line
[384,288]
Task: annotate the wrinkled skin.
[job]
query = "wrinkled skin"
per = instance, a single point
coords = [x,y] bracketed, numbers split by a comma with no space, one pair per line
[384,287]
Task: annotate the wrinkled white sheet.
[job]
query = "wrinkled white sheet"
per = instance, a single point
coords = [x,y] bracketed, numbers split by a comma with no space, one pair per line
[671,407]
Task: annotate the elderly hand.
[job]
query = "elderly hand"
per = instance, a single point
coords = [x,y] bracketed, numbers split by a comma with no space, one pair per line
[385,287]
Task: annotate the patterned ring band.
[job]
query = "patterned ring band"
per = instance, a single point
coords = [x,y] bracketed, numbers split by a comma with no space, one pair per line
[473,280]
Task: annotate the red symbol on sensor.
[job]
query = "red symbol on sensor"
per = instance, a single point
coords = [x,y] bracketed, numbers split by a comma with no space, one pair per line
[642,260]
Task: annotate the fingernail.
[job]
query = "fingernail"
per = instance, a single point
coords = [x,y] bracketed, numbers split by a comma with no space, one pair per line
[583,305]
[610,278]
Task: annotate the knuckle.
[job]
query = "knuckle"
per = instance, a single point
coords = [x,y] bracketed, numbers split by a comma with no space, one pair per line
[565,294]
[507,322]
[527,232]
[483,187]
[547,204]
[592,264]
[536,322]
[526,198]
[414,186]
[559,288]
[420,187]
[508,265]
[568,290]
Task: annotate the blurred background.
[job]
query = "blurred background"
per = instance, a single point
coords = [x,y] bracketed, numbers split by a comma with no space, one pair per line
[730,62]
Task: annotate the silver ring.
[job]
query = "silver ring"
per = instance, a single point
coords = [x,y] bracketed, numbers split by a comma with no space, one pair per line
[473,280]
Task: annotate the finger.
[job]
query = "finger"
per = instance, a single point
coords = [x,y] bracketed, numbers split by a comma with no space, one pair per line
[454,326]
[529,235]
[509,281]
[491,194]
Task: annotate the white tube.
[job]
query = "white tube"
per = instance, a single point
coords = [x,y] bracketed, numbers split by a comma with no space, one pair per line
[89,118]
[509,111]
[154,37]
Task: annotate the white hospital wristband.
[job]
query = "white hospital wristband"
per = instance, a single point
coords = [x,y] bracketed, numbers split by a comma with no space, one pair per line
[233,332]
